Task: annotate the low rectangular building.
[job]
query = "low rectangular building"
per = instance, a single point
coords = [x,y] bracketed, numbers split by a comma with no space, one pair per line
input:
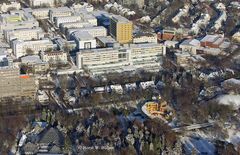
[74,25]
[41,13]
[41,3]
[212,41]
[67,19]
[35,63]
[54,57]
[145,38]
[93,31]
[21,48]
[24,34]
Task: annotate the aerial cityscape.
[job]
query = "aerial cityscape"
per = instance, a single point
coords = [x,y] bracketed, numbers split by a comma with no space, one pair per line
[120,77]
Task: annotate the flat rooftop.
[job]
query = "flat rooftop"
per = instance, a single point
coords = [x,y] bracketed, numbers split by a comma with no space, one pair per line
[120,19]
[210,38]
[83,35]
[107,39]
[61,9]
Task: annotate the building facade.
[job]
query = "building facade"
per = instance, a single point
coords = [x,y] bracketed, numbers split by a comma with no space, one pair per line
[145,38]
[93,31]
[54,57]
[39,3]
[99,61]
[59,12]
[41,13]
[20,47]
[147,56]
[67,19]
[104,60]
[24,34]
[12,84]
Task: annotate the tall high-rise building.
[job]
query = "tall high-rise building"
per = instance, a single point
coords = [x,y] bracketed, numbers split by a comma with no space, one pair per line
[12,84]
[121,29]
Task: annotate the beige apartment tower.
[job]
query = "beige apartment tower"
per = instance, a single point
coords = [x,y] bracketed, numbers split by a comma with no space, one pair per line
[121,29]
[12,84]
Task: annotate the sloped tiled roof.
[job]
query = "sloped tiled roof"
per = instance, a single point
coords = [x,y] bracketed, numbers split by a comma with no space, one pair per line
[52,136]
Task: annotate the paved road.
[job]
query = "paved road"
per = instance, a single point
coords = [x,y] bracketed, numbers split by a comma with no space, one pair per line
[193,127]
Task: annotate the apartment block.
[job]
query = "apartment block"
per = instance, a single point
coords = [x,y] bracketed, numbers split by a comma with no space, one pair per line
[12,84]
[39,3]
[121,29]
[24,34]
[67,19]
[20,47]
[59,12]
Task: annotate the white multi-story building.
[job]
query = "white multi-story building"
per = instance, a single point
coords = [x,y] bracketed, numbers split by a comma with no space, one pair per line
[41,13]
[141,56]
[145,38]
[147,56]
[83,40]
[54,56]
[20,48]
[67,19]
[17,20]
[59,12]
[93,31]
[36,3]
[24,34]
[71,25]
[5,7]
[103,60]
[18,25]
[89,18]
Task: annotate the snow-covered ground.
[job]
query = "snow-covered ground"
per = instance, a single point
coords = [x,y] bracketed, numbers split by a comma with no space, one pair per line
[232,81]
[200,145]
[233,100]
[234,136]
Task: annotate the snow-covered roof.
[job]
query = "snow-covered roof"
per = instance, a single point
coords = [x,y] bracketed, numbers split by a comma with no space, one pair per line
[193,42]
